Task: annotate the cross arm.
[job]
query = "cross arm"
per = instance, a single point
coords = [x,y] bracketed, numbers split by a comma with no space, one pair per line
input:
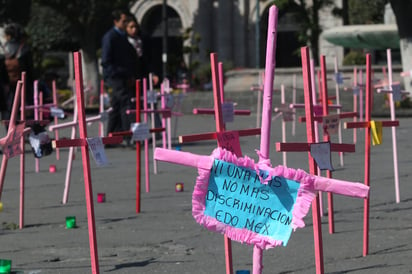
[74,123]
[213,135]
[319,106]
[162,111]
[367,124]
[320,183]
[212,111]
[299,147]
[130,133]
[83,142]
[183,158]
[319,118]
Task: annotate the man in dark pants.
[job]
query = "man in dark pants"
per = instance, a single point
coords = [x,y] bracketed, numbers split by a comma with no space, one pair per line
[119,61]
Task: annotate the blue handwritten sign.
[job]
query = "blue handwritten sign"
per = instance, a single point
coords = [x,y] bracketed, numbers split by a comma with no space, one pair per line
[237,198]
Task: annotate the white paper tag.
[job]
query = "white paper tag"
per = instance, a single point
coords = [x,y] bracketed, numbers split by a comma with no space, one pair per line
[170,101]
[140,131]
[396,93]
[321,153]
[151,97]
[339,78]
[57,112]
[228,112]
[97,149]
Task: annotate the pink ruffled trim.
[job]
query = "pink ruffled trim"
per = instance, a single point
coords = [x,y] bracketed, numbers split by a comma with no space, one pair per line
[304,198]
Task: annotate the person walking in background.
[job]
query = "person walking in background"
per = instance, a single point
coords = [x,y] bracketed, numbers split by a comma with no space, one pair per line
[119,61]
[141,45]
[17,58]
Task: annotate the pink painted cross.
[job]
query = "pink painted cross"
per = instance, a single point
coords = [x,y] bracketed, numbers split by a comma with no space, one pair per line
[137,112]
[367,125]
[395,94]
[222,99]
[82,142]
[70,158]
[326,137]
[300,147]
[13,144]
[203,163]
[226,139]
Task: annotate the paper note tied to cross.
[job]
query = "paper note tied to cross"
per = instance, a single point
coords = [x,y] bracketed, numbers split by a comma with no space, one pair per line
[321,153]
[97,150]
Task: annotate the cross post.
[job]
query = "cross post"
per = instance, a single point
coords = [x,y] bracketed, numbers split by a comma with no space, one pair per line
[138,112]
[300,147]
[367,126]
[393,89]
[221,132]
[339,147]
[82,142]
[73,125]
[13,144]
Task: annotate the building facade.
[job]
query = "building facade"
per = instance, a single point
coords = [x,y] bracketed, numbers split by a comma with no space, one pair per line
[227,27]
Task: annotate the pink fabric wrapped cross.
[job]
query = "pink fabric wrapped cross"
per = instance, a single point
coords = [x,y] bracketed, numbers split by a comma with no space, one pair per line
[250,202]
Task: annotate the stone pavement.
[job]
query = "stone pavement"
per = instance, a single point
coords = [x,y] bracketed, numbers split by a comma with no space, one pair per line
[164,238]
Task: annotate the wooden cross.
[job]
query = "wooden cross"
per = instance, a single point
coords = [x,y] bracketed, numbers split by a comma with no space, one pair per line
[355,91]
[70,158]
[82,142]
[177,106]
[188,159]
[326,136]
[367,126]
[300,147]
[288,115]
[392,92]
[219,135]
[13,143]
[222,99]
[338,81]
[137,112]
[23,121]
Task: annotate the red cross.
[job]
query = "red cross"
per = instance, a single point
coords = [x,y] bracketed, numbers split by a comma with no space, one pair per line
[138,146]
[366,124]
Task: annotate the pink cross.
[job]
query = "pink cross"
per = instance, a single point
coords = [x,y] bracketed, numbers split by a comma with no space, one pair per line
[137,112]
[13,142]
[82,142]
[367,125]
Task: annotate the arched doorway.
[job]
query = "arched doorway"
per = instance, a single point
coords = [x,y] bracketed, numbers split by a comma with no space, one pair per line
[152,27]
[287,47]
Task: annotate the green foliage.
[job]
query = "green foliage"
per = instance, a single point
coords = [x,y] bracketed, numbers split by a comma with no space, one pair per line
[366,11]
[17,11]
[48,30]
[354,58]
[52,62]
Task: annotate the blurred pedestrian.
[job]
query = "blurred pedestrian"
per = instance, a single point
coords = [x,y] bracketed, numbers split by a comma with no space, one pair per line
[119,61]
[17,58]
[141,45]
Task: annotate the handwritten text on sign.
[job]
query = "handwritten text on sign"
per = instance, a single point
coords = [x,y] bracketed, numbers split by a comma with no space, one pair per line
[237,198]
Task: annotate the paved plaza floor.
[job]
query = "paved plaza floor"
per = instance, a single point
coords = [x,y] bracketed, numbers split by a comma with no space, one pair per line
[164,237]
